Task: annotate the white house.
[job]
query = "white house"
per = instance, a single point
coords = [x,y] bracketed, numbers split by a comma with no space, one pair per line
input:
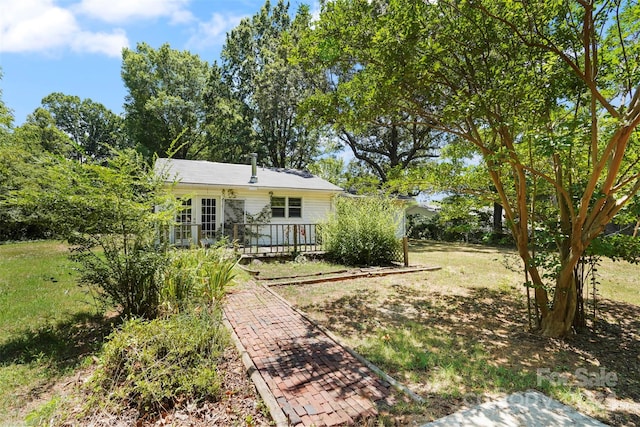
[256,205]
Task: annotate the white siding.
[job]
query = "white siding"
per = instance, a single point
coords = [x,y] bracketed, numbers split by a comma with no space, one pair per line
[316,206]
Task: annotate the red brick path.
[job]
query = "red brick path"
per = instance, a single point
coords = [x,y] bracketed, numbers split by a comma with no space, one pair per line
[314,380]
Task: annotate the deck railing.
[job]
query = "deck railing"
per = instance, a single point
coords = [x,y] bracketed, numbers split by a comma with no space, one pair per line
[277,238]
[255,238]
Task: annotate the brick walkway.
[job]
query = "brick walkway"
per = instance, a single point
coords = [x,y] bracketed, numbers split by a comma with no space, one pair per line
[314,380]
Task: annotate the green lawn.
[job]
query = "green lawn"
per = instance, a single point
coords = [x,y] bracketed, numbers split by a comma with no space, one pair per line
[277,269]
[48,324]
[459,335]
[496,267]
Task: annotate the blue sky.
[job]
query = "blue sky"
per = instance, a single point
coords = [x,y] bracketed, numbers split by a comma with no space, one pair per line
[74,46]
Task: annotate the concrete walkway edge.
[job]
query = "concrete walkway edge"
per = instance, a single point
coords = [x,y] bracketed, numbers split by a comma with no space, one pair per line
[524,409]
[263,390]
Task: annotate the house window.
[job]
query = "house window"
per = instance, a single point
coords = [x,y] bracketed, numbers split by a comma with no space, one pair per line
[184,215]
[286,207]
[183,219]
[295,207]
[208,217]
[278,207]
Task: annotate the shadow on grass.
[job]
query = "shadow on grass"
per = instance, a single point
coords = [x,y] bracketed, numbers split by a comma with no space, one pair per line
[451,345]
[63,345]
[615,344]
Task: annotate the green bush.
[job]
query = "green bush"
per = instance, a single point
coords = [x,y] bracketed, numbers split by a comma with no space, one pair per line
[196,275]
[363,231]
[152,365]
[106,213]
[124,274]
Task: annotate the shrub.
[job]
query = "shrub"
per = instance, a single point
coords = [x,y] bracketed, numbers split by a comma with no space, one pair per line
[107,213]
[422,227]
[363,231]
[152,365]
[124,274]
[204,273]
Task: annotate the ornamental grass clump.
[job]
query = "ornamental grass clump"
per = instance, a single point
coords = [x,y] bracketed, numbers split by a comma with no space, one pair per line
[363,231]
[196,275]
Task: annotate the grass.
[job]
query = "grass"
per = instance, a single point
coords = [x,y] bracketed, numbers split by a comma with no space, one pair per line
[456,336]
[47,322]
[617,280]
[37,285]
[301,267]
[62,361]
[460,335]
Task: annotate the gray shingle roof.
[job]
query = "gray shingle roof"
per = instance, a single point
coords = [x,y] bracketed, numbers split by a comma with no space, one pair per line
[233,175]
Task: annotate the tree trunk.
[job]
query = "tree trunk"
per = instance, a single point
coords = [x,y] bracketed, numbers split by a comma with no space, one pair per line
[580,274]
[559,320]
[497,218]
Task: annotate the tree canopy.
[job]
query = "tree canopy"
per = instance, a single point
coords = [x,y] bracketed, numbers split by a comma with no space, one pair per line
[268,87]
[6,116]
[165,102]
[93,129]
[546,93]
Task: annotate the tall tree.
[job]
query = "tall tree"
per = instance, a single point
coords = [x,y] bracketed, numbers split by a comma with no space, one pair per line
[386,142]
[230,136]
[256,66]
[388,145]
[93,128]
[6,116]
[547,93]
[40,133]
[165,105]
[392,141]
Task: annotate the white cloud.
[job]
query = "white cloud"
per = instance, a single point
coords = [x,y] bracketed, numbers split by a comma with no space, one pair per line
[315,10]
[34,25]
[41,26]
[119,11]
[104,43]
[214,31]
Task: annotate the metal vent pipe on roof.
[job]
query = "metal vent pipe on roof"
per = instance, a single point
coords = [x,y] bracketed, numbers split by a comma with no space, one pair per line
[254,168]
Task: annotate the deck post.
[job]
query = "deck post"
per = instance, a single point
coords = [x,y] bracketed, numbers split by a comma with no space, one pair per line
[405,250]
[295,238]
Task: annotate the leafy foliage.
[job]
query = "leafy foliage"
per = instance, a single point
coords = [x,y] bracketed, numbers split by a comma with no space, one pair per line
[165,104]
[106,213]
[6,116]
[41,135]
[151,365]
[545,92]
[125,273]
[617,247]
[114,230]
[267,87]
[93,129]
[330,168]
[194,275]
[363,231]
